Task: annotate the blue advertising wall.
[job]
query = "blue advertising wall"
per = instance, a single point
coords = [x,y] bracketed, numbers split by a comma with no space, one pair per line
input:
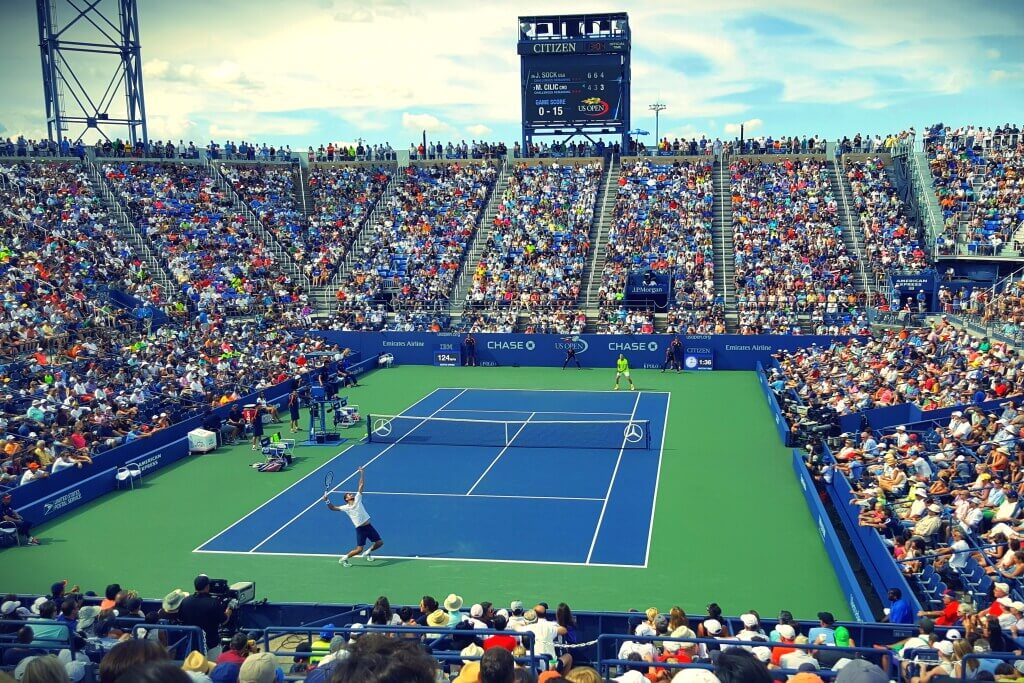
[855,599]
[780,424]
[729,352]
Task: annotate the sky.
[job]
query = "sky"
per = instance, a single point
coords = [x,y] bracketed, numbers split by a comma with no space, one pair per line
[306,72]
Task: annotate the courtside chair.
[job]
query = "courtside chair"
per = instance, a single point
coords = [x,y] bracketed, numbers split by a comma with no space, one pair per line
[9,534]
[135,471]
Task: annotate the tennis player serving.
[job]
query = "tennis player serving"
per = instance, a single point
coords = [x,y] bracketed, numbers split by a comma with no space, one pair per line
[622,370]
[353,507]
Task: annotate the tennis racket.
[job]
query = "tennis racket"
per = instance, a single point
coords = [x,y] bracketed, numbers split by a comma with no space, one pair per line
[328,483]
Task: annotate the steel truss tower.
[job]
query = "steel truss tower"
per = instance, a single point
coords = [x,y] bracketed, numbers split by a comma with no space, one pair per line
[77,93]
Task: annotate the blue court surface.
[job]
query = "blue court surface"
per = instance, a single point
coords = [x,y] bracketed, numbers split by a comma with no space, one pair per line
[568,493]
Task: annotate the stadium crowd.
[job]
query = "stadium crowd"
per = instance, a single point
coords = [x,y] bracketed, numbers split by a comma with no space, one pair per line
[419,240]
[58,248]
[662,224]
[789,254]
[217,260]
[342,199]
[538,246]
[977,177]
[933,368]
[890,242]
[358,151]
[124,639]
[89,394]
[476,149]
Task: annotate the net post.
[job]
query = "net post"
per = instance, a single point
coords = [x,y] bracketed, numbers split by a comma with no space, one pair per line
[647,431]
[369,428]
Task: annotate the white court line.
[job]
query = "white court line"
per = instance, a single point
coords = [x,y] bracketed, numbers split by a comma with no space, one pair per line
[269,501]
[423,557]
[535,412]
[318,500]
[573,391]
[501,452]
[284,491]
[657,479]
[475,495]
[615,472]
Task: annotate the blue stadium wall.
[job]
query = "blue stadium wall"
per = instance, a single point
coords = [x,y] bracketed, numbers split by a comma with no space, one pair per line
[727,352]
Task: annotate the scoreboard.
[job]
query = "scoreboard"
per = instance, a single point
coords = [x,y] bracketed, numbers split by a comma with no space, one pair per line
[581,91]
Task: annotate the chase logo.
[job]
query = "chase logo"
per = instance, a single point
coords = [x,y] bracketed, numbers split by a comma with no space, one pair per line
[633,346]
[512,345]
[576,342]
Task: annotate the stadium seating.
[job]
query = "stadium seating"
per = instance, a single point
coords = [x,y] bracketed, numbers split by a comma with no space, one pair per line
[890,243]
[540,241]
[661,222]
[60,250]
[215,258]
[420,239]
[789,255]
[342,199]
[977,178]
[965,466]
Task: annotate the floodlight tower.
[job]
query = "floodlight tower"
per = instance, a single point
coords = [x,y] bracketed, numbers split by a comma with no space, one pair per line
[80,99]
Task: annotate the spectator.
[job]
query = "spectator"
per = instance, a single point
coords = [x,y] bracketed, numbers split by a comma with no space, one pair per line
[385,659]
[126,655]
[203,610]
[497,666]
[23,647]
[10,515]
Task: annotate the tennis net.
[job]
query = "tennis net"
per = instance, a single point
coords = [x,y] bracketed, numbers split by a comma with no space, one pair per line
[445,431]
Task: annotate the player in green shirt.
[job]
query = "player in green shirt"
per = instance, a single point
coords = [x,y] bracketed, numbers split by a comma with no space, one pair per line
[622,369]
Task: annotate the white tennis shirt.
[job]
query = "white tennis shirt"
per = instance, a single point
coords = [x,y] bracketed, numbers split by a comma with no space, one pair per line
[356,512]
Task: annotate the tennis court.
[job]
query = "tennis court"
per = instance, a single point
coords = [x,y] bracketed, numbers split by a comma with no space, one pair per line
[575,470]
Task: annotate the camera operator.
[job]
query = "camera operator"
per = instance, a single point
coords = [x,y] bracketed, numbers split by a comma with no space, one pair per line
[207,612]
[239,648]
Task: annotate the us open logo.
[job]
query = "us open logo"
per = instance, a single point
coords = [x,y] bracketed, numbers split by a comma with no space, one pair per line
[580,345]
[691,362]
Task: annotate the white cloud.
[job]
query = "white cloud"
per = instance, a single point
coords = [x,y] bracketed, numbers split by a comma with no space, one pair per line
[809,88]
[261,127]
[363,120]
[427,122]
[155,68]
[479,130]
[327,60]
[749,126]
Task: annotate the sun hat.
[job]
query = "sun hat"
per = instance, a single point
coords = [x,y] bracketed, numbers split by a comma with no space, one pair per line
[437,618]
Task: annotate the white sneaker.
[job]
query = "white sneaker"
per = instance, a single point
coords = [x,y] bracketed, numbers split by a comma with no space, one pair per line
[369,557]
[344,562]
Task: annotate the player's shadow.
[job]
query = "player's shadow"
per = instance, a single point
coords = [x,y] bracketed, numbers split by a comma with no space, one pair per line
[382,562]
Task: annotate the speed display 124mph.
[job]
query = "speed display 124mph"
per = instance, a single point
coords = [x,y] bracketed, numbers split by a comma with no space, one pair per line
[586,91]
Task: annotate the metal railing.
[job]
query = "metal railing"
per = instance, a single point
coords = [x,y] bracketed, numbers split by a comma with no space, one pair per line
[603,222]
[853,223]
